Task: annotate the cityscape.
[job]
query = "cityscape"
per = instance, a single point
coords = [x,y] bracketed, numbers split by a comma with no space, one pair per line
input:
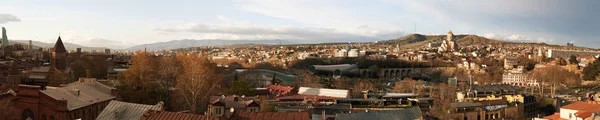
[300,65]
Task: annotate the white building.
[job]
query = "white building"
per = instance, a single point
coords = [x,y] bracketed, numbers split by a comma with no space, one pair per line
[576,111]
[341,53]
[353,53]
[519,79]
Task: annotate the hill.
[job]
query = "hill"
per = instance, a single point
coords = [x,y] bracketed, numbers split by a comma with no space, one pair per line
[174,44]
[68,46]
[413,41]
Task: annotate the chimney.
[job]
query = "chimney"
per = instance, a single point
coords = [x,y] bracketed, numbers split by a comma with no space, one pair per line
[79,50]
[88,74]
[76,92]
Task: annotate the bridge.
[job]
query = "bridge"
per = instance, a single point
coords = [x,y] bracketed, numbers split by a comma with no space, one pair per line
[392,72]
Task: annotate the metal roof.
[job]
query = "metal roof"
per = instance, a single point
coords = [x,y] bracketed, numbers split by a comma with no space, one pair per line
[337,93]
[411,113]
[164,115]
[117,110]
[243,115]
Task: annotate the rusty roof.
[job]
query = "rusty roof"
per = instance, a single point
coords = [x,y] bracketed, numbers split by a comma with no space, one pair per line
[242,115]
[583,114]
[555,116]
[164,115]
[282,89]
[583,106]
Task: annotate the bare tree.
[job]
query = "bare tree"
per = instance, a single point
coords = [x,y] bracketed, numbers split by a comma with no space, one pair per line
[553,76]
[198,80]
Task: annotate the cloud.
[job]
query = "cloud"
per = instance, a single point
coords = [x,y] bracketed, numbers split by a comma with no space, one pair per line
[313,12]
[75,37]
[5,18]
[517,38]
[236,30]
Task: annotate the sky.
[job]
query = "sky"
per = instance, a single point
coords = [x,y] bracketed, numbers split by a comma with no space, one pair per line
[124,23]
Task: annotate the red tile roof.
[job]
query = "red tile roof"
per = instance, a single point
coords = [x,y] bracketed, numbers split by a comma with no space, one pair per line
[583,114]
[242,115]
[583,106]
[282,89]
[164,115]
[555,116]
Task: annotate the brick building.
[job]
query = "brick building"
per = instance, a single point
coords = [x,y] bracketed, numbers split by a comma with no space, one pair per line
[83,99]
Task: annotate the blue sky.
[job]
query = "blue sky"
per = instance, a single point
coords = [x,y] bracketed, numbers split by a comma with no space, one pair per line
[124,23]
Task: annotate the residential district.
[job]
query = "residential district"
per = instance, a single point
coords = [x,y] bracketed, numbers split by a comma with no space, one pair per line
[427,77]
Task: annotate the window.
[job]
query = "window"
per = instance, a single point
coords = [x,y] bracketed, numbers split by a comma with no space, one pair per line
[253,109]
[570,115]
[27,114]
[478,117]
[465,118]
[218,110]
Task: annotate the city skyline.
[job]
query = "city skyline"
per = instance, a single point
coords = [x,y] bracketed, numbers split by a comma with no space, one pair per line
[118,24]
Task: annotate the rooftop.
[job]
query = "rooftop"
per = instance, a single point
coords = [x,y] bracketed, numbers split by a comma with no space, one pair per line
[126,111]
[583,106]
[411,113]
[271,115]
[164,115]
[81,93]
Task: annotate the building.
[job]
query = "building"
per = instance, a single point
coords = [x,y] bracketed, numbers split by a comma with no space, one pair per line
[165,115]
[412,113]
[567,53]
[519,79]
[220,105]
[341,53]
[577,111]
[336,93]
[244,115]
[353,53]
[59,55]
[83,99]
[4,37]
[59,65]
[448,45]
[277,90]
[117,110]
[510,62]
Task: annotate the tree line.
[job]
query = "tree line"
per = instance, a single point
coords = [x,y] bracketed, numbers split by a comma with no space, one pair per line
[184,81]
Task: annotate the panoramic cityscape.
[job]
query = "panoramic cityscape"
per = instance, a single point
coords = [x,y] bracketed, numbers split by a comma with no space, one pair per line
[300,60]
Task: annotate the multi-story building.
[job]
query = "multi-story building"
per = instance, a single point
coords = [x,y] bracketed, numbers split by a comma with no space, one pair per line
[577,111]
[519,79]
[341,53]
[221,105]
[510,62]
[353,53]
[83,99]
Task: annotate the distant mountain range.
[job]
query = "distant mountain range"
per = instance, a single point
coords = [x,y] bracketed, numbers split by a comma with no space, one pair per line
[68,46]
[408,41]
[174,44]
